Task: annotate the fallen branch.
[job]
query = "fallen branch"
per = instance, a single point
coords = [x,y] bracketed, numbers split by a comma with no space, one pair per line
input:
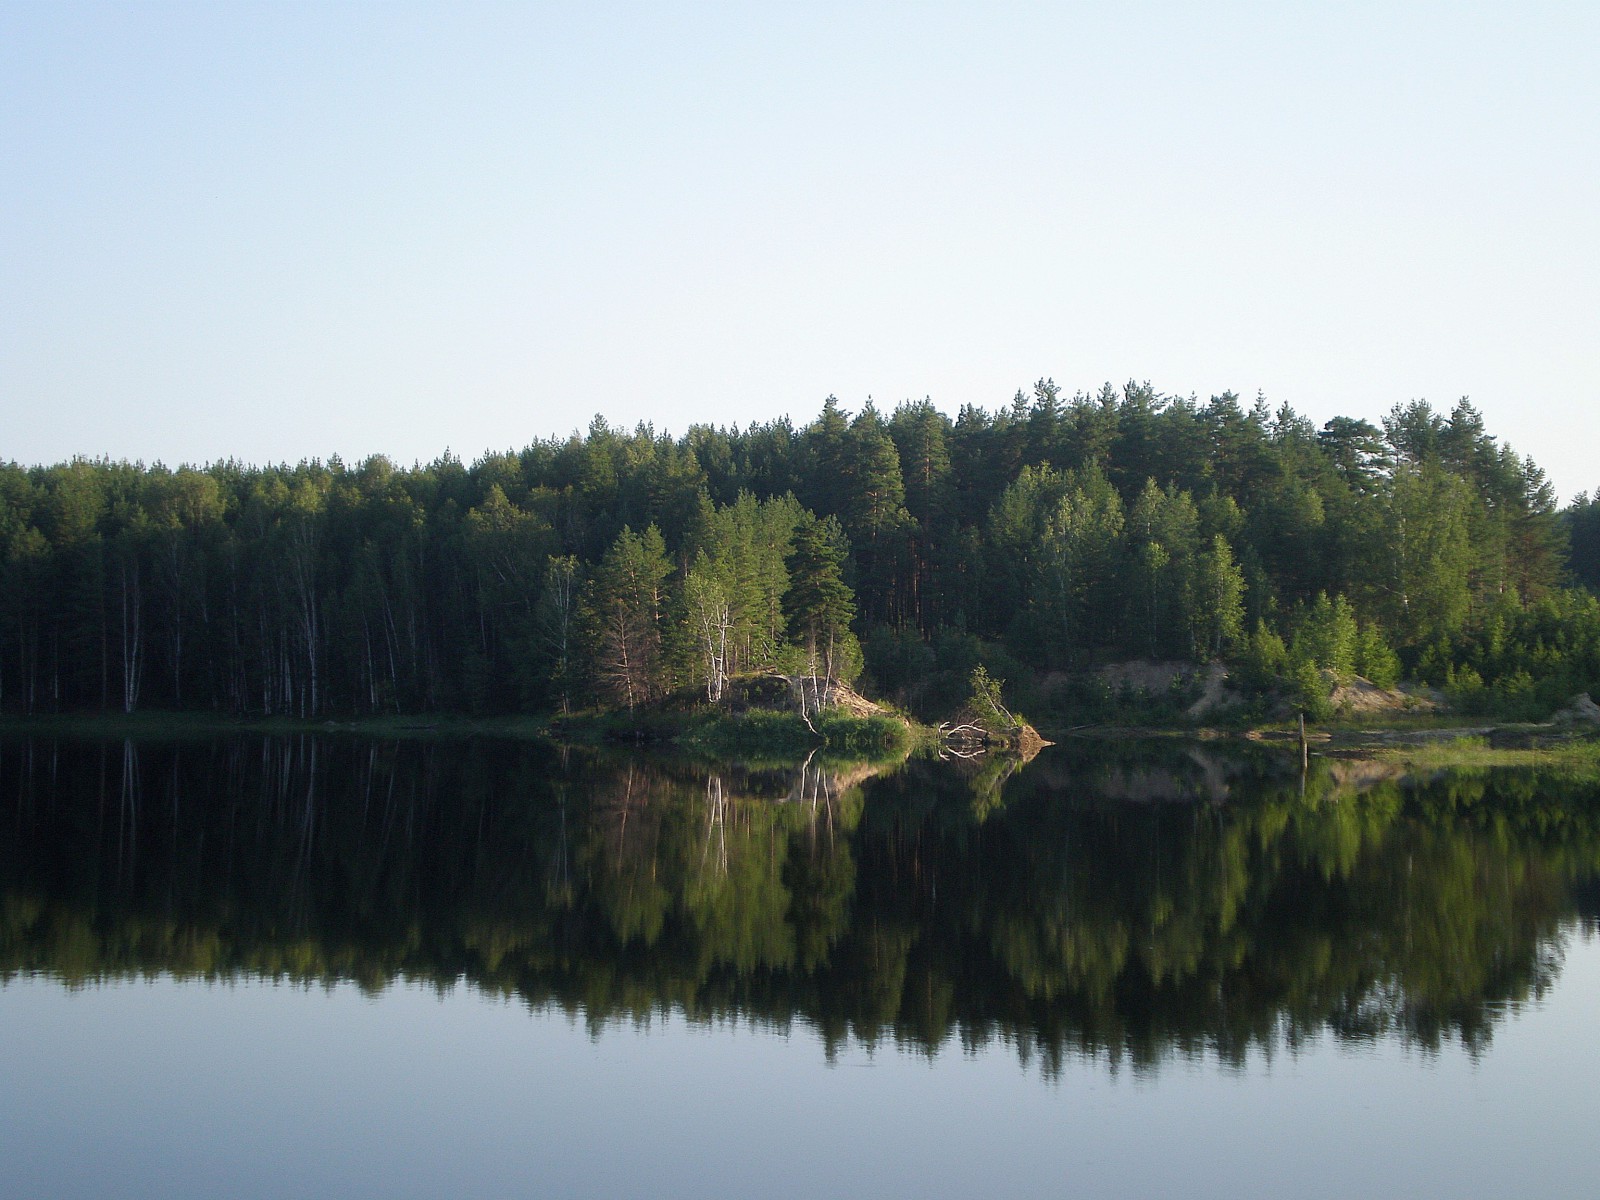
[951,731]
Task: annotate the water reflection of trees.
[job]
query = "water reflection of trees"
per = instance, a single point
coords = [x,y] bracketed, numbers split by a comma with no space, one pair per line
[1125,907]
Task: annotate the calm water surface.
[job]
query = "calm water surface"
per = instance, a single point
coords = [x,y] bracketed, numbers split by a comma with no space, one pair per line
[300,967]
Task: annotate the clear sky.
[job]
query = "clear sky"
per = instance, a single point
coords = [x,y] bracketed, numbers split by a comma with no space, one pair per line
[272,232]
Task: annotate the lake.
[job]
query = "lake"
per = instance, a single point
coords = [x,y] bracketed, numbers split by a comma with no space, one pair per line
[258,966]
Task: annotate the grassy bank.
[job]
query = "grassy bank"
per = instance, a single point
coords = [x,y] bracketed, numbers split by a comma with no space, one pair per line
[758,734]
[1576,760]
[769,734]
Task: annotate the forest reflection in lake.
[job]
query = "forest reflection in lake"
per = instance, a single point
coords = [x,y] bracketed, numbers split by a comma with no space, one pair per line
[1131,906]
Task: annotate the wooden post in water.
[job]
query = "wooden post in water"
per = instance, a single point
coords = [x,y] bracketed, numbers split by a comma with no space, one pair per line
[1305,750]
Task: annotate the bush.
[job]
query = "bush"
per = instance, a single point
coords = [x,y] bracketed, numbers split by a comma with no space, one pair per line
[1465,690]
[984,700]
[1311,693]
[1375,660]
[868,737]
[1329,635]
[1264,661]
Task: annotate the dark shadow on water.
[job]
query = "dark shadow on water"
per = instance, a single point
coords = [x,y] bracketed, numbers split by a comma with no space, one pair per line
[1123,907]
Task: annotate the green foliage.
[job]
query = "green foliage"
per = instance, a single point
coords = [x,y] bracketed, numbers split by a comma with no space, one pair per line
[1216,609]
[1582,527]
[1056,548]
[1052,535]
[819,604]
[1264,659]
[625,615]
[773,735]
[1427,551]
[875,738]
[1374,659]
[932,678]
[1164,532]
[1466,690]
[1329,636]
[760,733]
[896,658]
[1312,691]
[985,701]
[1524,660]
[743,547]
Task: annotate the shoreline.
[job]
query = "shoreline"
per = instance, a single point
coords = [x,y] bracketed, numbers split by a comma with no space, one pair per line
[756,733]
[1433,742]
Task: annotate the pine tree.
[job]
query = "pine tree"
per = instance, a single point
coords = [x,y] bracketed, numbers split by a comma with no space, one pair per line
[623,613]
[875,518]
[819,602]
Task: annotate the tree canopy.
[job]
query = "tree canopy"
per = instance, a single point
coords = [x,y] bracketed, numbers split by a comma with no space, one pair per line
[614,566]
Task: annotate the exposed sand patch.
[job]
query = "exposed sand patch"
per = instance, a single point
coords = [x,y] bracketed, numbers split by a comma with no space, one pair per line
[1358,695]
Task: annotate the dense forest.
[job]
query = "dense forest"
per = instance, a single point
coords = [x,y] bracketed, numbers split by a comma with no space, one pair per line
[1040,540]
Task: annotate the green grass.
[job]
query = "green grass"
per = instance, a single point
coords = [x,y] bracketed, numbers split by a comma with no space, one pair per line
[765,733]
[770,735]
[1575,760]
[867,737]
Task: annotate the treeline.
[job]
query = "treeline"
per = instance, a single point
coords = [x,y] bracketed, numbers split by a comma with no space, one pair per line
[1049,536]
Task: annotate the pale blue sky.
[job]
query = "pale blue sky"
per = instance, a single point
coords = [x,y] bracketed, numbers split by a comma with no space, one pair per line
[281,231]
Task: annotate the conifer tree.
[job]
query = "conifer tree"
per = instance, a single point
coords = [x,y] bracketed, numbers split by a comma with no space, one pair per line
[819,602]
[624,609]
